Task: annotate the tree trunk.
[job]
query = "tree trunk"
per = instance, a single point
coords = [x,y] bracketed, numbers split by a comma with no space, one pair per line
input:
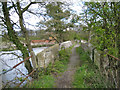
[14,38]
[25,32]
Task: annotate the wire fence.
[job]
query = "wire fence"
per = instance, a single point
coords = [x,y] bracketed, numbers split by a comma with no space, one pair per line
[15,66]
[26,77]
[114,57]
[113,70]
[4,72]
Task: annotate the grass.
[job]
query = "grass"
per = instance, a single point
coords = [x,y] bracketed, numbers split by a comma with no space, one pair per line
[45,81]
[45,78]
[7,49]
[88,74]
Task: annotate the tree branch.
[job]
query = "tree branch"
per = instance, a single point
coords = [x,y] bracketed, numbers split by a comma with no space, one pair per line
[11,53]
[14,7]
[36,13]
[26,8]
[2,19]
[16,24]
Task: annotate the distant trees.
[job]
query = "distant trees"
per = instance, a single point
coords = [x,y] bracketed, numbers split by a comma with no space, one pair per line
[71,35]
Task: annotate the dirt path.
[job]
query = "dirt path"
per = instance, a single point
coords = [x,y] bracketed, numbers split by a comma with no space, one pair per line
[65,80]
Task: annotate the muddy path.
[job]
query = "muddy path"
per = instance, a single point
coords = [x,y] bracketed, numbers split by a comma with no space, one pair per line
[66,78]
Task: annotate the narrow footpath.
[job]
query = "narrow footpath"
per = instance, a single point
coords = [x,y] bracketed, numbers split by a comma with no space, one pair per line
[65,80]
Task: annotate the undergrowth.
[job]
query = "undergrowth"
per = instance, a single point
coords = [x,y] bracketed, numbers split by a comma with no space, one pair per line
[88,74]
[46,76]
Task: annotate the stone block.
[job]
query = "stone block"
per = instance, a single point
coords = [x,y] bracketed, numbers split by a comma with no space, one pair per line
[48,55]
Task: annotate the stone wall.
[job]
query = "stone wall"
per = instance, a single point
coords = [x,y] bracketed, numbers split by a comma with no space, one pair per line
[66,44]
[98,57]
[50,54]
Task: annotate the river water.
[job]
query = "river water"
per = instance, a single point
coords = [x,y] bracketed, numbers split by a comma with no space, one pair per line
[7,61]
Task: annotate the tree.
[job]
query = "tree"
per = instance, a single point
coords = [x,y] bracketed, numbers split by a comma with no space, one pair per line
[100,21]
[103,20]
[12,34]
[57,15]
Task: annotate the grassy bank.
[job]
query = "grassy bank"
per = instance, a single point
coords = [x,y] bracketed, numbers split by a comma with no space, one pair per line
[88,74]
[46,76]
[36,46]
[8,49]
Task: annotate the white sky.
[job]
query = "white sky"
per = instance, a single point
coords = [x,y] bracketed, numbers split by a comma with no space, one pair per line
[76,5]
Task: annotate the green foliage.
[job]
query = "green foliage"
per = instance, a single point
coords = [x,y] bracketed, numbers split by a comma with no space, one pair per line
[8,49]
[57,67]
[21,79]
[83,55]
[61,64]
[45,78]
[84,35]
[75,19]
[70,35]
[88,75]
[45,81]
[64,54]
[4,70]
[56,23]
[102,21]
[55,11]
[34,46]
[80,77]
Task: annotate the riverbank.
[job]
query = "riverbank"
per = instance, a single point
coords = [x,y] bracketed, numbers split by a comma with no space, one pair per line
[10,58]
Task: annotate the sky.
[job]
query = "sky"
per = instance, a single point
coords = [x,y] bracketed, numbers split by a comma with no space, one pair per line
[31,19]
[76,5]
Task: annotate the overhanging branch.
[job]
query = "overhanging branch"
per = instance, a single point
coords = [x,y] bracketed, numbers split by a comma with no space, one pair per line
[26,8]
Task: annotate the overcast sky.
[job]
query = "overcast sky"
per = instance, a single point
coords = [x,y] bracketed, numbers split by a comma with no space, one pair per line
[31,19]
[76,5]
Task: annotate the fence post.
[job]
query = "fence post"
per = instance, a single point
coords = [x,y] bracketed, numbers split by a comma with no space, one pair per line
[101,62]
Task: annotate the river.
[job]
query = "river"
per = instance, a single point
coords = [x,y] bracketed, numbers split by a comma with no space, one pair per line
[7,61]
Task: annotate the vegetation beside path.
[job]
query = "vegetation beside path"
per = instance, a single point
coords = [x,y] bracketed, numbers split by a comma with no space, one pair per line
[88,75]
[46,76]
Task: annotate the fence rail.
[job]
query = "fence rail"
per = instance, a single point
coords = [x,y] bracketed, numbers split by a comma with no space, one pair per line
[113,57]
[18,65]
[15,66]
[26,77]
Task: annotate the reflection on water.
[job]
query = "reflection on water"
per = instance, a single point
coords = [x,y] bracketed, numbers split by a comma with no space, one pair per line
[9,60]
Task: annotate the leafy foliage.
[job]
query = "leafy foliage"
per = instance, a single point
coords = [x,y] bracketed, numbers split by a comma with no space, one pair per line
[56,23]
[102,20]
[88,75]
